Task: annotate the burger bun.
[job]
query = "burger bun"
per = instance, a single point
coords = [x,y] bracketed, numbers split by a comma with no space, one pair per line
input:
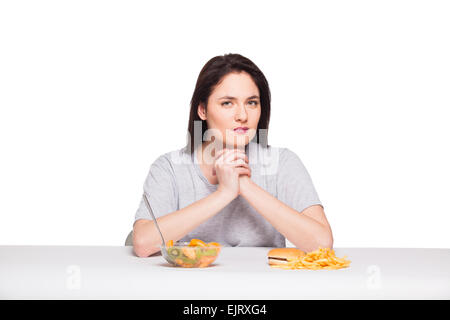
[279,256]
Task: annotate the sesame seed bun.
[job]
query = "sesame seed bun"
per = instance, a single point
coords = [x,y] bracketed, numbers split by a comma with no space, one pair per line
[279,256]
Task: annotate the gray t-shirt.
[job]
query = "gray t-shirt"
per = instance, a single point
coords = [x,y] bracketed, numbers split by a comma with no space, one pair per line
[175,180]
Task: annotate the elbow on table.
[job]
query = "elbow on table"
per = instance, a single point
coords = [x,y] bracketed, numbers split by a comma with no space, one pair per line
[143,249]
[320,243]
[326,241]
[322,240]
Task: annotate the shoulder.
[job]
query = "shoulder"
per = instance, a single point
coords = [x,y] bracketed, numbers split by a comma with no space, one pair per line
[281,160]
[272,159]
[271,151]
[290,160]
[290,165]
[173,159]
[287,155]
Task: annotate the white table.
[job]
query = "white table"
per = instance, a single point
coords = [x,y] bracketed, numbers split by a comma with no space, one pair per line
[92,272]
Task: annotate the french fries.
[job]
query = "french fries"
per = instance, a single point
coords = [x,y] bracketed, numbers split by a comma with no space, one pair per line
[323,258]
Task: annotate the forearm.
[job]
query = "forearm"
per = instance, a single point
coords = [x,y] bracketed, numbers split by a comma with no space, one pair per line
[304,232]
[176,225]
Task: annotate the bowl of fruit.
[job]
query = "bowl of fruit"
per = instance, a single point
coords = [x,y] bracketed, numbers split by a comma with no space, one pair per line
[193,254]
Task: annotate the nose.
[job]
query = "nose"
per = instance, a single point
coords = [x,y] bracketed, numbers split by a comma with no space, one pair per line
[241,113]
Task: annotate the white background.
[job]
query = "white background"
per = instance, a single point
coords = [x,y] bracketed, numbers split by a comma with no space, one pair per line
[92,92]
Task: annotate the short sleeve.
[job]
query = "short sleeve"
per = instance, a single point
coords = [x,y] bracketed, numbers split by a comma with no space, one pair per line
[294,184]
[161,189]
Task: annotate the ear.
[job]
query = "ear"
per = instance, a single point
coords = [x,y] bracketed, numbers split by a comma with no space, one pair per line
[201,111]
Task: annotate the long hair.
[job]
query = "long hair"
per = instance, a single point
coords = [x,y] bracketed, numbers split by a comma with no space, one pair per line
[210,75]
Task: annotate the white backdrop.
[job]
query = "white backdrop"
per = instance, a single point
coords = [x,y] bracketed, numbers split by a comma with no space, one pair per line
[92,92]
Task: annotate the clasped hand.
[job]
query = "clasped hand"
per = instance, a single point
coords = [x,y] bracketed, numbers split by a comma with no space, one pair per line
[232,170]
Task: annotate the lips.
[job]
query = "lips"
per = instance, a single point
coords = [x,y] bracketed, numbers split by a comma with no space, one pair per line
[240,129]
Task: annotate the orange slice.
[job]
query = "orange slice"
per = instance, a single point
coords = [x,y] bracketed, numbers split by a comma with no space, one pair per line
[214,244]
[169,244]
[197,243]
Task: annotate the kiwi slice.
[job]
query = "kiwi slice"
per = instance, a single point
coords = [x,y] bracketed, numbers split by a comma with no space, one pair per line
[210,252]
[174,252]
[199,253]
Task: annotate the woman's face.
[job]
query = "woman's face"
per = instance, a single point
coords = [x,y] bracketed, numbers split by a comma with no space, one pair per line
[234,103]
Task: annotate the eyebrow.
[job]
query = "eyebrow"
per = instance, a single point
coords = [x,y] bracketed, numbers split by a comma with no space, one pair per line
[234,98]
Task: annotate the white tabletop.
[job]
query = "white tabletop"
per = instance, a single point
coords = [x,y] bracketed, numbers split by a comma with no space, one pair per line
[91,272]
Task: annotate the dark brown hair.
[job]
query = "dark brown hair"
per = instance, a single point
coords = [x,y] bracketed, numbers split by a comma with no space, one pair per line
[210,75]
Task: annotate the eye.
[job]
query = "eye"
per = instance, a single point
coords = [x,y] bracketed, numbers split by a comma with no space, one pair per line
[223,103]
[255,103]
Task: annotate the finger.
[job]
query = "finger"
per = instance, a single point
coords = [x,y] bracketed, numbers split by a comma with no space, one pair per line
[235,163]
[235,155]
[244,171]
[219,152]
[231,157]
[220,156]
[243,168]
[225,157]
[224,151]
[239,162]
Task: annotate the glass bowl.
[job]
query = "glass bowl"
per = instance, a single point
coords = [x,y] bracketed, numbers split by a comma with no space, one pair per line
[182,254]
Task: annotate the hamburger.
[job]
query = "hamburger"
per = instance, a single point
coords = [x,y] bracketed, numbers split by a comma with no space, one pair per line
[279,256]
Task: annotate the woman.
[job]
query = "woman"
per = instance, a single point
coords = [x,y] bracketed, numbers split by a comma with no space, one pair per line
[227,185]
